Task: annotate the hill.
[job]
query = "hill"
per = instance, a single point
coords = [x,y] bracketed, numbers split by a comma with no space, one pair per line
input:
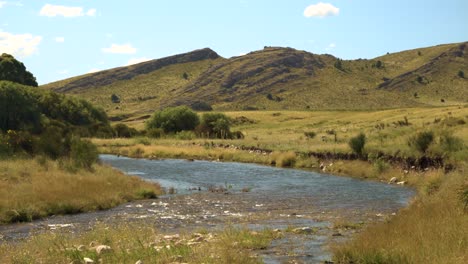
[279,78]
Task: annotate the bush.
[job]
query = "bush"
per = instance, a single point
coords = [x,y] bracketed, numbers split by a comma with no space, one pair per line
[83,153]
[124,131]
[155,133]
[215,125]
[310,134]
[421,141]
[186,135]
[283,159]
[450,143]
[174,119]
[52,143]
[357,143]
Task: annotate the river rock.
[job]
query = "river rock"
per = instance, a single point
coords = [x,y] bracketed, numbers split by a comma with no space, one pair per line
[139,262]
[172,238]
[303,230]
[103,249]
[88,261]
[393,180]
[401,183]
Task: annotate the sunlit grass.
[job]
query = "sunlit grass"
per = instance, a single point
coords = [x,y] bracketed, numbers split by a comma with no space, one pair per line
[30,189]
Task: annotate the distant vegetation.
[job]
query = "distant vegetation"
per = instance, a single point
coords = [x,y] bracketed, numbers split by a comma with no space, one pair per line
[15,71]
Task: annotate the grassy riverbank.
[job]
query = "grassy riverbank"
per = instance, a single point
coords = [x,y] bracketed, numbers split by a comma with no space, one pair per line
[131,243]
[35,188]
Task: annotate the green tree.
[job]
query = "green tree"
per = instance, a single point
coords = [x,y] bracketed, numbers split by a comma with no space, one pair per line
[215,125]
[174,119]
[15,71]
[338,64]
[357,143]
[18,107]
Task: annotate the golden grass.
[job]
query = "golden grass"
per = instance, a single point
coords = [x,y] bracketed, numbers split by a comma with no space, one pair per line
[433,229]
[31,189]
[132,242]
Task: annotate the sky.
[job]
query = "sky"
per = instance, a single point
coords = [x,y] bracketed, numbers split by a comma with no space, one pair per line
[60,39]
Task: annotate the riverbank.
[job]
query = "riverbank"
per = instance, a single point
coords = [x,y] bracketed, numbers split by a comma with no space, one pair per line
[36,188]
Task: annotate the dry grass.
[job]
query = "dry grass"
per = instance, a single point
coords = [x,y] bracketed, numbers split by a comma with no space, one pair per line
[130,243]
[31,189]
[434,229]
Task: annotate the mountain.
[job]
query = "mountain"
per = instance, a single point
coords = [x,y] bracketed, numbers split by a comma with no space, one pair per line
[15,71]
[279,78]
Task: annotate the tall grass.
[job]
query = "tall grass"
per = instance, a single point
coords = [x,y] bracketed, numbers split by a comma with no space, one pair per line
[30,189]
[433,229]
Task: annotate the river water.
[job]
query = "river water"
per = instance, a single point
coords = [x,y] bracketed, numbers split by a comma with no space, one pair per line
[253,196]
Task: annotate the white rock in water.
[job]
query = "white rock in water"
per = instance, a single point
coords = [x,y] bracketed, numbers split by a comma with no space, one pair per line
[393,180]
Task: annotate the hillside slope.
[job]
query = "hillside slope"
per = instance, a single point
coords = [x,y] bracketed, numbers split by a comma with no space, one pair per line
[280,78]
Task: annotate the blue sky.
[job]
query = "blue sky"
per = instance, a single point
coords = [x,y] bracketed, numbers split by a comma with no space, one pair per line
[60,39]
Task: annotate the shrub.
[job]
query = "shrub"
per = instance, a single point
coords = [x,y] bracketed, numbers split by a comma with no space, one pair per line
[310,134]
[215,125]
[461,74]
[115,99]
[174,119]
[185,135]
[450,143]
[357,143]
[146,194]
[124,131]
[155,133]
[83,153]
[421,141]
[52,143]
[283,159]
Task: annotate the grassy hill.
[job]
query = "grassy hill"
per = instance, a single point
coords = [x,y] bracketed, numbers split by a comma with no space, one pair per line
[279,78]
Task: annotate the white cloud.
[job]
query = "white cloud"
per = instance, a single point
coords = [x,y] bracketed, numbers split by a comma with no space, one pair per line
[2,3]
[120,49]
[137,60]
[65,11]
[93,70]
[60,39]
[91,12]
[20,45]
[321,10]
[330,46]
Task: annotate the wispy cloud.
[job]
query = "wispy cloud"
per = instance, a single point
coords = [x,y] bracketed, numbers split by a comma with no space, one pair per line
[120,49]
[137,60]
[22,45]
[60,39]
[321,10]
[65,11]
[330,47]
[2,3]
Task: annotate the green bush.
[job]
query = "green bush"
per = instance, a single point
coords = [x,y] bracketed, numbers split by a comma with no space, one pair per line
[421,141]
[83,153]
[174,119]
[450,143]
[124,131]
[201,106]
[52,143]
[186,135]
[357,143]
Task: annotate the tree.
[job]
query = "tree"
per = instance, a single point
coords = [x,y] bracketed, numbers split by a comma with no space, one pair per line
[15,71]
[338,64]
[185,76]
[216,125]
[18,107]
[174,119]
[357,143]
